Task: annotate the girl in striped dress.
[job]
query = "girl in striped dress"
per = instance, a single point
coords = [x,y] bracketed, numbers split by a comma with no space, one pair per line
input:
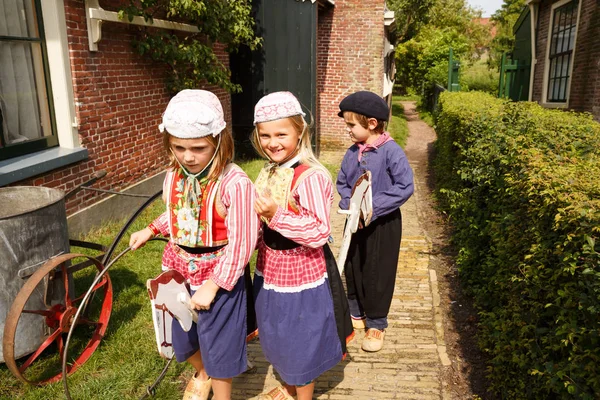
[212,230]
[302,314]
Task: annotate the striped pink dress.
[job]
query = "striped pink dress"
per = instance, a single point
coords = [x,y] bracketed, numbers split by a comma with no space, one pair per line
[227,228]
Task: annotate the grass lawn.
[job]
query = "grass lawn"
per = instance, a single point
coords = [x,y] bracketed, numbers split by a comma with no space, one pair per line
[398,126]
[127,361]
[426,116]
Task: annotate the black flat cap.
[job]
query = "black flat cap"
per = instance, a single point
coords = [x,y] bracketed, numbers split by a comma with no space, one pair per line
[365,103]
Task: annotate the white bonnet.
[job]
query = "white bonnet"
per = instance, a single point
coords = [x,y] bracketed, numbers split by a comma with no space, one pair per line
[277,105]
[193,114]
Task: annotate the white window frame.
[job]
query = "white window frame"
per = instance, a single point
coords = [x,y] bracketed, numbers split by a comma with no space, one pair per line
[545,101]
[55,29]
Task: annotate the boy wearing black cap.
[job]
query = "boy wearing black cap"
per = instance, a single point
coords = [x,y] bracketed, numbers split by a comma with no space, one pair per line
[372,259]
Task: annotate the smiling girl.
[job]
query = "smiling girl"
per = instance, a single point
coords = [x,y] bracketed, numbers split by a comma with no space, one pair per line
[302,313]
[212,232]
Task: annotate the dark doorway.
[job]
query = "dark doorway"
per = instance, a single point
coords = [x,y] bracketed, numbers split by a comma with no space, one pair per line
[286,61]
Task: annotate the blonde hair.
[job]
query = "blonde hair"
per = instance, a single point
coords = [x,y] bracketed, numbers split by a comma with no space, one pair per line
[305,147]
[363,121]
[224,155]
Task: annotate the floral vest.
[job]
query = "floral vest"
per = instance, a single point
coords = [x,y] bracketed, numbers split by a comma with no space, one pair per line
[280,183]
[202,226]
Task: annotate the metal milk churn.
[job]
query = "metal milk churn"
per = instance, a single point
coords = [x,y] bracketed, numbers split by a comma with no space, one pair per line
[33,229]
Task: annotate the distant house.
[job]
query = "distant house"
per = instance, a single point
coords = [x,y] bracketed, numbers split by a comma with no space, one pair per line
[563,53]
[75,97]
[487,22]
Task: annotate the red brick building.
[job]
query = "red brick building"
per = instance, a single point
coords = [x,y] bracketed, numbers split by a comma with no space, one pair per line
[75,97]
[565,68]
[354,53]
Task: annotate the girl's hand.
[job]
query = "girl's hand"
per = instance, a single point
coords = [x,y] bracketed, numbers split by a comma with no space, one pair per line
[139,238]
[265,206]
[204,296]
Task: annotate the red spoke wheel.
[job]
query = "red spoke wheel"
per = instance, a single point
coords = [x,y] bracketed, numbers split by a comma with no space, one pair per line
[50,298]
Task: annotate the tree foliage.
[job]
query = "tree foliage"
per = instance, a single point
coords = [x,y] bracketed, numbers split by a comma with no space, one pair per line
[423,59]
[411,16]
[190,56]
[504,19]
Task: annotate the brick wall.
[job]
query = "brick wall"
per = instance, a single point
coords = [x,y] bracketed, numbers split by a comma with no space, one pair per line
[350,49]
[119,97]
[585,84]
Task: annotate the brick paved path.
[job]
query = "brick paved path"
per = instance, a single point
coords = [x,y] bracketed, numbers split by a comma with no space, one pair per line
[411,362]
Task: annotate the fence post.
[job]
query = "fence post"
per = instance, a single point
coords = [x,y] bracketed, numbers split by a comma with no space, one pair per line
[501,86]
[453,73]
[450,62]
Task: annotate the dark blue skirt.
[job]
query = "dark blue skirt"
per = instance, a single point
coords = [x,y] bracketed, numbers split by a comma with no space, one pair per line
[297,331]
[220,335]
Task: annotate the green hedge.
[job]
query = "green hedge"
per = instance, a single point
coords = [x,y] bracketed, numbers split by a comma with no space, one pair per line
[521,186]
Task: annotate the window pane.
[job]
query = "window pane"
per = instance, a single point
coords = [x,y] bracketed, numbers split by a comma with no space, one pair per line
[553,68]
[24,109]
[564,62]
[563,87]
[18,18]
[24,116]
[555,23]
[571,38]
[553,49]
[562,21]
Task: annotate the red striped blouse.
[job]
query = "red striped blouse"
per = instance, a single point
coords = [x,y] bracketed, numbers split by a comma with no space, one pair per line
[227,265]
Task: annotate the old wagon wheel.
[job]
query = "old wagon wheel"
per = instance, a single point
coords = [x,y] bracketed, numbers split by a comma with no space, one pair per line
[108,261]
[32,300]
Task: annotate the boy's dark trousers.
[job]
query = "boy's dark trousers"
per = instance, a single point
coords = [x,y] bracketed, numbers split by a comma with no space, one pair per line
[372,264]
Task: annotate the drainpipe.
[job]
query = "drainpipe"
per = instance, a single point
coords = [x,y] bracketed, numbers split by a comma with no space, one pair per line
[533,13]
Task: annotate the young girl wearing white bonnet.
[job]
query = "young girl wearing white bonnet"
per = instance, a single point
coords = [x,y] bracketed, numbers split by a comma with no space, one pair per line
[301,308]
[212,230]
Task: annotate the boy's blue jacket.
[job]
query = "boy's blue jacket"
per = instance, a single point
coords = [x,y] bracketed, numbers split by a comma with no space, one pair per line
[392,177]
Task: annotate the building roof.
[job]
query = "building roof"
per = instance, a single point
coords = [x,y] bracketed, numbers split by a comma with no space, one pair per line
[524,14]
[487,22]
